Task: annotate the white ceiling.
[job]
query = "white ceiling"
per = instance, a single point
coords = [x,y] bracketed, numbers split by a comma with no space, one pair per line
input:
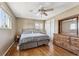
[23,9]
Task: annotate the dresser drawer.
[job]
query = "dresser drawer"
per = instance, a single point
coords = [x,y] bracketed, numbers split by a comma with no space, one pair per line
[74,39]
[74,50]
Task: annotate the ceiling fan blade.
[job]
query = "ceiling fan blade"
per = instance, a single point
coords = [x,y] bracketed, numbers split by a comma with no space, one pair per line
[45,14]
[42,9]
[49,9]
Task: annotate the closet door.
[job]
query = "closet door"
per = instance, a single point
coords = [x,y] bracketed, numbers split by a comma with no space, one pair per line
[47,27]
[52,28]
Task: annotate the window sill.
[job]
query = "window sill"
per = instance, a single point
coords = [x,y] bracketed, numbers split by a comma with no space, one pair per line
[5,28]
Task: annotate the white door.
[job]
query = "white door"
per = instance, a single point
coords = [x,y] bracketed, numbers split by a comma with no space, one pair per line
[49,27]
[52,28]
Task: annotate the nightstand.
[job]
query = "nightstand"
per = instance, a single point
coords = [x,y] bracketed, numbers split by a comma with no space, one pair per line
[17,38]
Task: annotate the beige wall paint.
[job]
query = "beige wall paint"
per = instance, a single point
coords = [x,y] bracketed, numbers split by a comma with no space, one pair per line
[27,23]
[70,12]
[7,35]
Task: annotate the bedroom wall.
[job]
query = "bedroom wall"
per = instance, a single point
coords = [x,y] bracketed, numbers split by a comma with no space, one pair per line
[7,35]
[23,23]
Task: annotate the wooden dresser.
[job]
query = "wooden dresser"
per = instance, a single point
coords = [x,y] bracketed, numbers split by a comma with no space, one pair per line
[67,42]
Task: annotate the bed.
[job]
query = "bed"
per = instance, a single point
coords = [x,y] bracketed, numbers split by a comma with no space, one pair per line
[32,38]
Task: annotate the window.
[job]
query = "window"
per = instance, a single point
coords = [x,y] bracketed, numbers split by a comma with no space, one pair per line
[72,26]
[5,20]
[38,26]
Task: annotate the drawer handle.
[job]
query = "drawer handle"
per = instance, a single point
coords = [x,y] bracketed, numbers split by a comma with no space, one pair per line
[75,39]
[67,40]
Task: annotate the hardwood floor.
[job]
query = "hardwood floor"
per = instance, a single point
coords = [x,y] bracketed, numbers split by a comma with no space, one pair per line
[51,50]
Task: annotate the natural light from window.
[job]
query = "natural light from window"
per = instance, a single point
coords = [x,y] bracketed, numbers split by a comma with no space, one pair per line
[5,20]
[38,26]
[72,26]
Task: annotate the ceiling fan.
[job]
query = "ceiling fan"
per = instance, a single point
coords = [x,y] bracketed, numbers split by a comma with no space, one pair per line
[43,11]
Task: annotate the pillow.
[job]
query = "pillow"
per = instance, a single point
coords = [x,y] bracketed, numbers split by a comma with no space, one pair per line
[27,31]
[39,31]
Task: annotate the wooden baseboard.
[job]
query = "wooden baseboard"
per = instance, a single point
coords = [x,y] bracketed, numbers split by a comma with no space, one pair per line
[8,49]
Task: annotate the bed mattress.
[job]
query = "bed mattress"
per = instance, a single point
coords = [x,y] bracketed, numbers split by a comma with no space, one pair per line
[25,38]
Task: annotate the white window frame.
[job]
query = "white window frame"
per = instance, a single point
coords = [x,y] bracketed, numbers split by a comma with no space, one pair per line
[38,25]
[8,21]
